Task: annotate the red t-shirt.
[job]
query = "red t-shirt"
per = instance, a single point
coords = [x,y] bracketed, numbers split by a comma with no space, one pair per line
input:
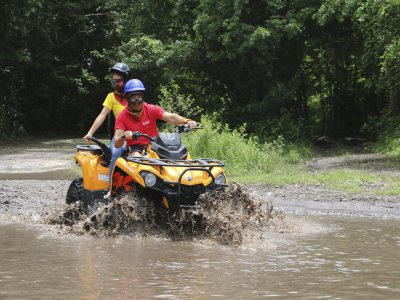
[146,123]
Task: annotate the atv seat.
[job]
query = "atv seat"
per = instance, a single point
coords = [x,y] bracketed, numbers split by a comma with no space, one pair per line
[92,148]
[97,150]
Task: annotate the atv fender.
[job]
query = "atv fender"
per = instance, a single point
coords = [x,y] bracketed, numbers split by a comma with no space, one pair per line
[129,169]
[95,175]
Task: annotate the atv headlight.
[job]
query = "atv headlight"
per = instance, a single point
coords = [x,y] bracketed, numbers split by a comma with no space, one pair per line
[220,179]
[150,179]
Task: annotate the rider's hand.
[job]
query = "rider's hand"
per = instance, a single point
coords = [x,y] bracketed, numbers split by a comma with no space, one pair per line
[128,135]
[86,137]
[192,124]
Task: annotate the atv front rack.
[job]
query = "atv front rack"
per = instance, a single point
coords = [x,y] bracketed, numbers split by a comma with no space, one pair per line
[200,164]
[164,162]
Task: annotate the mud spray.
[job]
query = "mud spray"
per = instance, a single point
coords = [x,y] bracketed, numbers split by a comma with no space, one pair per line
[227,217]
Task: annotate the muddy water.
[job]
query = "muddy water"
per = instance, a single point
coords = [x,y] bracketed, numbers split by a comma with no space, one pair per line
[38,159]
[356,258]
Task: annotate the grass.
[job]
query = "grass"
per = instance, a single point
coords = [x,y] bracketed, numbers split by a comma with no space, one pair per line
[241,154]
[278,163]
[350,181]
[392,187]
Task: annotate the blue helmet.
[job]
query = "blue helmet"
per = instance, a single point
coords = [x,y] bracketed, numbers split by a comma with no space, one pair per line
[134,85]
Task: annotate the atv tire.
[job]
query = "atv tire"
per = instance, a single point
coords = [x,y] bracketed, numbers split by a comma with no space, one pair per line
[75,192]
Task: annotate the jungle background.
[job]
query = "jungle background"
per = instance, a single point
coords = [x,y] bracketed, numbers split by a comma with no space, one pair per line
[293,70]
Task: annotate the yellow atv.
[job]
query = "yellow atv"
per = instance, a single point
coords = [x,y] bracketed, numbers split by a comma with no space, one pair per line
[165,174]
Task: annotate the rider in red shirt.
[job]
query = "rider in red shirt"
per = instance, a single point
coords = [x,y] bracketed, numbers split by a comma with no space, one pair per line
[141,116]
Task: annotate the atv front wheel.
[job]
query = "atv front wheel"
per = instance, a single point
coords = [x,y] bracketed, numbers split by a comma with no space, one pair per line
[75,192]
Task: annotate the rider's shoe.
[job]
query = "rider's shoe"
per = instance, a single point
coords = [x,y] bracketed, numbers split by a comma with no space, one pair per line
[107,196]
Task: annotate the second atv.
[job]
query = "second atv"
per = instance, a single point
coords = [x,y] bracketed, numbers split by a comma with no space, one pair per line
[165,174]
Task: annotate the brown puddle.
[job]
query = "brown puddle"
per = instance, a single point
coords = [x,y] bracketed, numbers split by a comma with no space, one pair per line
[223,216]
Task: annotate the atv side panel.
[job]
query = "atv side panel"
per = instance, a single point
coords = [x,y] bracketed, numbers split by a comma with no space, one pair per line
[95,175]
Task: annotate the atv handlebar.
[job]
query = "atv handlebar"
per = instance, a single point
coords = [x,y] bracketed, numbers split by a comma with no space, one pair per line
[137,134]
[94,140]
[186,128]
[179,129]
[104,147]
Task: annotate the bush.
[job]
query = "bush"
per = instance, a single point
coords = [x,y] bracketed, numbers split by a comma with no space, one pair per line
[240,153]
[386,129]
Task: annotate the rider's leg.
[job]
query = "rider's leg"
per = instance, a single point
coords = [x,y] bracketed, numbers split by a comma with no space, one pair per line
[137,150]
[115,154]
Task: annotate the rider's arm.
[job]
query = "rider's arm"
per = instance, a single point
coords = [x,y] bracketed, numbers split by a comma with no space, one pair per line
[97,123]
[177,119]
[118,138]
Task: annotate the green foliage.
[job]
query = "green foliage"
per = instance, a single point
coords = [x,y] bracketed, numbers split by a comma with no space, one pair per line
[386,130]
[87,79]
[390,73]
[378,22]
[283,126]
[46,45]
[285,68]
[240,153]
[172,100]
[7,125]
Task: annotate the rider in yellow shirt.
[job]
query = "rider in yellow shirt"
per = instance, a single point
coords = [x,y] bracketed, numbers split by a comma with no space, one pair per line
[115,102]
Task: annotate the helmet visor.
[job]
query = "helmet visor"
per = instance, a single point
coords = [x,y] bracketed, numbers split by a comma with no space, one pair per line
[135,98]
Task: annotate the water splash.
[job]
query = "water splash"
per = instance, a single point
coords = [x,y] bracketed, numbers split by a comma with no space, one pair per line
[225,217]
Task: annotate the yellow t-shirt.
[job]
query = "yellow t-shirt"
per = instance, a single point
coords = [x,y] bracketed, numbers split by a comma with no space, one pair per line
[115,103]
